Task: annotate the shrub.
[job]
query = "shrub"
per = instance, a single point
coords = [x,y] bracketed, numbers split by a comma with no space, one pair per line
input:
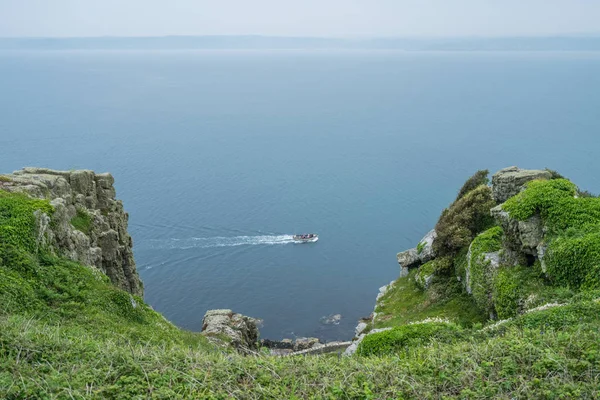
[554,174]
[479,178]
[463,220]
[573,261]
[4,178]
[396,339]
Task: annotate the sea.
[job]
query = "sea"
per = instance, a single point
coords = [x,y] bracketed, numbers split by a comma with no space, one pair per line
[221,156]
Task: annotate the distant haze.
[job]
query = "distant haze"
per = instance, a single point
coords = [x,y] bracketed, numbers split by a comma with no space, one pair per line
[331,18]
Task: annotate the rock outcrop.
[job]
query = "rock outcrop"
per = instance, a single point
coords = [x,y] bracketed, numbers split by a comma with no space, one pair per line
[510,181]
[522,239]
[419,255]
[89,224]
[237,329]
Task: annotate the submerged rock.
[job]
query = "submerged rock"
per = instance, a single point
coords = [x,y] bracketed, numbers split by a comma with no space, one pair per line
[510,181]
[333,319]
[239,330]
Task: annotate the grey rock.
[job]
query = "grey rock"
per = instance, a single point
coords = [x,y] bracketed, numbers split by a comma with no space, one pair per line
[240,330]
[107,246]
[427,253]
[520,237]
[412,258]
[305,343]
[510,181]
[409,259]
[360,328]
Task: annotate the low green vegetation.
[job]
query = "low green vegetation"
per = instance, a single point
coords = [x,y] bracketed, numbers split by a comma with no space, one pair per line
[4,178]
[573,229]
[439,267]
[401,337]
[548,354]
[518,289]
[481,275]
[406,302]
[82,221]
[18,221]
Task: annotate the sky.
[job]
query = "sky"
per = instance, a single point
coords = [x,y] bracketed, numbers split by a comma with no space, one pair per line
[337,18]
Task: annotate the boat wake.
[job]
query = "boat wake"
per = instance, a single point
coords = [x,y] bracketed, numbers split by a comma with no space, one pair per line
[217,241]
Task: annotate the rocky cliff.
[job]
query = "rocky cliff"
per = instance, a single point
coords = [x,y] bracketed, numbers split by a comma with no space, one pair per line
[526,239]
[88,225]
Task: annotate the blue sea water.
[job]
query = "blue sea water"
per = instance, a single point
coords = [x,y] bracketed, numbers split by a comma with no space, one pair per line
[219,156]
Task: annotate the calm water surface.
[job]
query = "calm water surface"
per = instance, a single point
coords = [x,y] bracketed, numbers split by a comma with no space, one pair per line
[220,156]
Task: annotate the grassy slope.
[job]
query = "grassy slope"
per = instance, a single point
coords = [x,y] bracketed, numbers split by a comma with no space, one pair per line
[66,333]
[405,302]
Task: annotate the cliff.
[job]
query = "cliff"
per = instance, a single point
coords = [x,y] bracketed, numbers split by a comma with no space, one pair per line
[66,331]
[529,239]
[88,224]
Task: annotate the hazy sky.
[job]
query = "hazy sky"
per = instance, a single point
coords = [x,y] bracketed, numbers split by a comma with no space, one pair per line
[298,17]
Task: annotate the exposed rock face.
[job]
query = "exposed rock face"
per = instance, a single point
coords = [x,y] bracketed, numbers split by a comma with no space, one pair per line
[103,242]
[509,181]
[419,255]
[521,238]
[239,329]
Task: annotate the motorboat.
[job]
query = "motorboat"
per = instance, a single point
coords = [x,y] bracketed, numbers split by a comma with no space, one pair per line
[306,238]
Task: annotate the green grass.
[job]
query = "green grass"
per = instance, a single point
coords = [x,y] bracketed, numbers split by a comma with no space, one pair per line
[516,360]
[4,178]
[82,221]
[420,247]
[406,302]
[17,220]
[402,337]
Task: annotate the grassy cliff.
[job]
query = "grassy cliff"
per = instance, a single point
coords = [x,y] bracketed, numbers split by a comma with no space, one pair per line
[66,332]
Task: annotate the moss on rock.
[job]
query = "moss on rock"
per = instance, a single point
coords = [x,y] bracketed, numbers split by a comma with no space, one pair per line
[481,269]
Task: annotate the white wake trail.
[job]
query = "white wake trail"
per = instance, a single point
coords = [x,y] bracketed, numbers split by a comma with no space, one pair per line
[218,241]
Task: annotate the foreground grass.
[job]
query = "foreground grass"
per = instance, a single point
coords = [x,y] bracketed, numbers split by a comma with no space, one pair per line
[524,359]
